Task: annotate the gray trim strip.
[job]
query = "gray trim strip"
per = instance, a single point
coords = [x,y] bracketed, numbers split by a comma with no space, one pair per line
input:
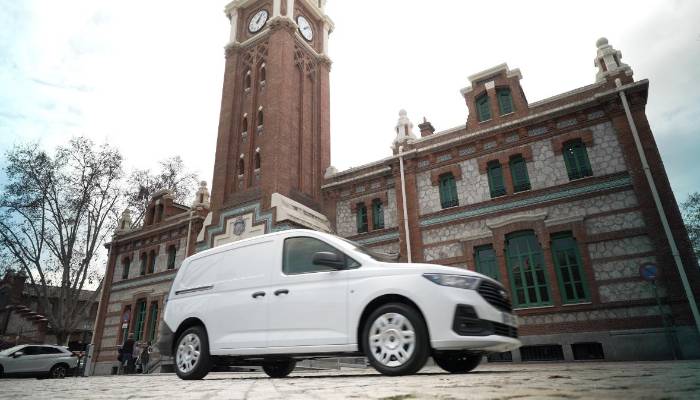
[197,289]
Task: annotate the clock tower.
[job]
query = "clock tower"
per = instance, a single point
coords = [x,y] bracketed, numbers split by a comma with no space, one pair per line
[273,144]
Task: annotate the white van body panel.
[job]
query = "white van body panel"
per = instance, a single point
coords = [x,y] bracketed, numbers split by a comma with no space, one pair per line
[315,312]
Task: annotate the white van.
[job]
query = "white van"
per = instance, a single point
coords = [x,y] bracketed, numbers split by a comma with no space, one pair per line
[279,298]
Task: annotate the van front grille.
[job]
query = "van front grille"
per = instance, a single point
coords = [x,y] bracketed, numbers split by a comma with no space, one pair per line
[494,295]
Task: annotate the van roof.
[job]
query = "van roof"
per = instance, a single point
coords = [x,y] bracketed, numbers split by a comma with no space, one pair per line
[235,244]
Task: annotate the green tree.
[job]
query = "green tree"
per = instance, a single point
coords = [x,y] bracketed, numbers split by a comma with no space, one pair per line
[691,215]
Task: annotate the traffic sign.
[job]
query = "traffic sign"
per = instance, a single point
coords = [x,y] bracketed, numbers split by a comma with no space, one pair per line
[649,271]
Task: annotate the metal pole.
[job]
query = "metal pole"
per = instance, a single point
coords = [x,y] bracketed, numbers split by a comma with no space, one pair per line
[660,209]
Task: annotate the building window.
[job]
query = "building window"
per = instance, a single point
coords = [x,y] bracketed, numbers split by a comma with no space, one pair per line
[172,253]
[140,319]
[263,74]
[505,101]
[244,127]
[241,165]
[377,214]
[152,262]
[576,160]
[257,160]
[485,258]
[495,174]
[526,270]
[518,171]
[448,191]
[567,262]
[126,320]
[260,118]
[144,262]
[126,264]
[160,209]
[248,81]
[483,108]
[153,322]
[361,218]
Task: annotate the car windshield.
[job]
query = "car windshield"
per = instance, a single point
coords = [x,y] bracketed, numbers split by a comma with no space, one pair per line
[11,350]
[375,255]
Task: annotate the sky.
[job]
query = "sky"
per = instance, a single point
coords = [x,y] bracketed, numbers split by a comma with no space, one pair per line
[146,76]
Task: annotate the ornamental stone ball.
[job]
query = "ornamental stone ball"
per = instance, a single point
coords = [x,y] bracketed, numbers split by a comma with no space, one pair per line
[601,42]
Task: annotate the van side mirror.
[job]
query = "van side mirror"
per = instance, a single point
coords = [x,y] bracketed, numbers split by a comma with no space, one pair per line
[329,259]
[17,354]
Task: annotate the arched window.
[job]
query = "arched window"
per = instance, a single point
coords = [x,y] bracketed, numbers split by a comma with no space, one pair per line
[241,165]
[505,101]
[150,215]
[248,81]
[244,124]
[257,159]
[528,275]
[263,74]
[569,267]
[126,264]
[172,253]
[483,108]
[260,117]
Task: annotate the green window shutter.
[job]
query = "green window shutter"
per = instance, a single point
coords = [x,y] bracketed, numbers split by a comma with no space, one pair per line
[505,101]
[567,262]
[377,214]
[448,191]
[518,171]
[153,322]
[576,159]
[361,218]
[526,269]
[483,108]
[486,264]
[495,175]
[140,319]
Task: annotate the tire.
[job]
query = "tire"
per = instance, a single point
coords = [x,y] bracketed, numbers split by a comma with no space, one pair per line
[279,369]
[192,358]
[387,343]
[58,371]
[457,362]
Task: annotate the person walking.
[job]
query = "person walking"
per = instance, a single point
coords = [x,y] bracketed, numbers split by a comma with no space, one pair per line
[127,354]
[145,357]
[135,355]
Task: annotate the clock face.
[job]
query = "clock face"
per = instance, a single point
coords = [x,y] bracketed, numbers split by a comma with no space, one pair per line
[258,21]
[305,28]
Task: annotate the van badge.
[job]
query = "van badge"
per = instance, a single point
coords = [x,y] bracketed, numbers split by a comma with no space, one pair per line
[239,226]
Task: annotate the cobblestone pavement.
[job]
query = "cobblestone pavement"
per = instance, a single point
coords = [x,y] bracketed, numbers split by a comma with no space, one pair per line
[640,380]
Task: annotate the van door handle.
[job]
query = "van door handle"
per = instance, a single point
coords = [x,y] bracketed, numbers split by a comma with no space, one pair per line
[258,294]
[281,291]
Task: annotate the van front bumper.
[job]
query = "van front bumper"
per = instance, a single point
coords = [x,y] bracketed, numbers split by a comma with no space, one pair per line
[165,340]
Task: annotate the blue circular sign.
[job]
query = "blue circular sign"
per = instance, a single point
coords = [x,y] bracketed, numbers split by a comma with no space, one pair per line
[649,271]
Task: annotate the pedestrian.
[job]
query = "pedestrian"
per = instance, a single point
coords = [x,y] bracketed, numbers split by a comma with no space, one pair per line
[127,351]
[145,357]
[135,355]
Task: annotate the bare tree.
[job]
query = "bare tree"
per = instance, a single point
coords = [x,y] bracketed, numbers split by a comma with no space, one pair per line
[691,215]
[142,184]
[55,214]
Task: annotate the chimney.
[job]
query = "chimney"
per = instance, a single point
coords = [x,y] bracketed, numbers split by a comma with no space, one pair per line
[426,128]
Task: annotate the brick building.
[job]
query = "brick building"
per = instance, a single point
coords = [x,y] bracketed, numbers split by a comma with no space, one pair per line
[550,198]
[141,266]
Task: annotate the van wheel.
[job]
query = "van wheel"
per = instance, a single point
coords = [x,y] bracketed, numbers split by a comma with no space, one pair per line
[192,359]
[457,362]
[279,369]
[395,340]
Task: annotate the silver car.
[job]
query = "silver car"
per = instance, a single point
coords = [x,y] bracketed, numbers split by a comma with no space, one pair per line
[37,361]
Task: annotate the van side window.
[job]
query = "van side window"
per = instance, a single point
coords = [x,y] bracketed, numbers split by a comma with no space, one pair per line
[299,253]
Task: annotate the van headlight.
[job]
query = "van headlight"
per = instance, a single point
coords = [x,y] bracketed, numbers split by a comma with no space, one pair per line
[458,281]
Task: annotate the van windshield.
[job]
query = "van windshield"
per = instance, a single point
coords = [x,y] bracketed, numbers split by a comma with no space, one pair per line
[375,255]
